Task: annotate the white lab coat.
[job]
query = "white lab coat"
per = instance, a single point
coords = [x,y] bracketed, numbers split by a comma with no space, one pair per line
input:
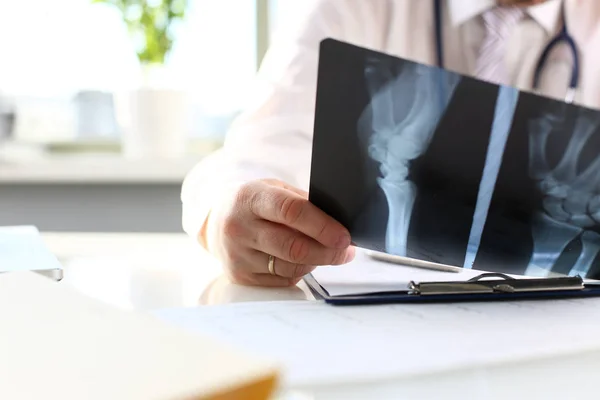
[273,137]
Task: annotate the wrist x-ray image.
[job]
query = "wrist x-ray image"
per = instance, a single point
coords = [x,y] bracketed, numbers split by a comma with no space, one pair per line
[425,163]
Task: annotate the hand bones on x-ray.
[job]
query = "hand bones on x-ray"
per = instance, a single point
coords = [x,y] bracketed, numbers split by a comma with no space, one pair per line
[571,199]
[569,196]
[398,124]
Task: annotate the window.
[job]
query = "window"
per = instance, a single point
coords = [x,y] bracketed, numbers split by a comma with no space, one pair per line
[53,50]
[216,55]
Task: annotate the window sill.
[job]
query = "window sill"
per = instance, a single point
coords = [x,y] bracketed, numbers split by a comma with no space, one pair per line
[69,163]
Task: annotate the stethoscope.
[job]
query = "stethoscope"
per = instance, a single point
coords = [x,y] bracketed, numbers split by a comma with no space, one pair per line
[562,36]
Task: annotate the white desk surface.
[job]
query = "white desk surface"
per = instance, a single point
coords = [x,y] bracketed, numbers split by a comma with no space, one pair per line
[145,272]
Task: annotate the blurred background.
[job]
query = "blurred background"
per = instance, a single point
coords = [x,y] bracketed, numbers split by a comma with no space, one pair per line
[105,105]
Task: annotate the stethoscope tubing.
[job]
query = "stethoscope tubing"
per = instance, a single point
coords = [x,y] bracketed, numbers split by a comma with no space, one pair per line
[562,36]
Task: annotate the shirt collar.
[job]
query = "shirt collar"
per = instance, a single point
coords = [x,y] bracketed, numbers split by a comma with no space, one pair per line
[546,14]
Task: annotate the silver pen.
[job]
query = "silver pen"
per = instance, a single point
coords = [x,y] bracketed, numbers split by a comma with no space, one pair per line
[411,262]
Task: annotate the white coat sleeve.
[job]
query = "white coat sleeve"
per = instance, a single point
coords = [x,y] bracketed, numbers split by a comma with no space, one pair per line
[272,138]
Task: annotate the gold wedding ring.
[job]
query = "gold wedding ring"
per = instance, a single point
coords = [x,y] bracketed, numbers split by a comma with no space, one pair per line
[272,265]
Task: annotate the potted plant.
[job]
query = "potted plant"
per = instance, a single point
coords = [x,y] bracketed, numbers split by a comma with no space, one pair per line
[152,115]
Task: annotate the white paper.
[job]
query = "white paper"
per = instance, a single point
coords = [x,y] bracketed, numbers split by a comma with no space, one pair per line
[322,344]
[366,275]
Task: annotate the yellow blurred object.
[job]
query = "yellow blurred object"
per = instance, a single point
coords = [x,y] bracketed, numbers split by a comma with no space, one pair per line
[57,343]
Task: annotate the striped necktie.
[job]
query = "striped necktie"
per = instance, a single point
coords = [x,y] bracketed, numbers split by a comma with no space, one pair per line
[498,23]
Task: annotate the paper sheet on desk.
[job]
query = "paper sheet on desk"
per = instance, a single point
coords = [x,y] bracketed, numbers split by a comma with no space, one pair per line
[364,275]
[321,344]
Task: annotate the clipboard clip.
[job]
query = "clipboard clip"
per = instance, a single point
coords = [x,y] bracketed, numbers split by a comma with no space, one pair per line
[501,284]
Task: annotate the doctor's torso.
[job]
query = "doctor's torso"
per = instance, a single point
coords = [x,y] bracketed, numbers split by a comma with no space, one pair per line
[409,33]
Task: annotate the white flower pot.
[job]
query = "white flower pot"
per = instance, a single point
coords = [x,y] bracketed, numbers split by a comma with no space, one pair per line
[154,120]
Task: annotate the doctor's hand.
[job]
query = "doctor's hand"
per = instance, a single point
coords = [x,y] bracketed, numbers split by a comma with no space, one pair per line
[270,218]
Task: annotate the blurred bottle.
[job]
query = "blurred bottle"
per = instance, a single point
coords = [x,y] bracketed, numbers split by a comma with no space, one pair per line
[95,115]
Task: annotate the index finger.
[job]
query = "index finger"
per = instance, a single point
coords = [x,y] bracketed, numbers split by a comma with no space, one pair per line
[286,207]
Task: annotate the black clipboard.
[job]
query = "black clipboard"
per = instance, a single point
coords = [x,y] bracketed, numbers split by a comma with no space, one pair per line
[484,287]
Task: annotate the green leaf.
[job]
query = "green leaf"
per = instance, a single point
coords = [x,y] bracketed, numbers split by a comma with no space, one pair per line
[151,24]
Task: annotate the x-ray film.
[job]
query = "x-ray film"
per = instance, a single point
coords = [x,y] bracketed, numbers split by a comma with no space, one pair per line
[421,162]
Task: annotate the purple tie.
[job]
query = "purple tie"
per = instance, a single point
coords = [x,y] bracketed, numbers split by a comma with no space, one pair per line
[498,23]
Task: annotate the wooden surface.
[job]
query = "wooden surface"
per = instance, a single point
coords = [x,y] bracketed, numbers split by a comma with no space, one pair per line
[57,343]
